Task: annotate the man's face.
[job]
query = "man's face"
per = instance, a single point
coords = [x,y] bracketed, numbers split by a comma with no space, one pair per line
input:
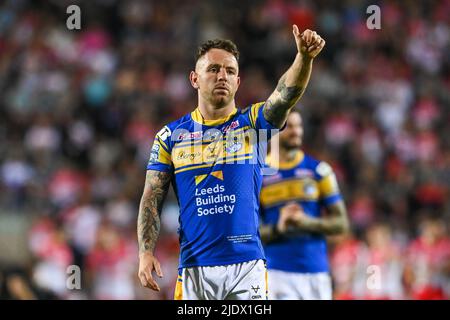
[216,77]
[291,137]
[431,230]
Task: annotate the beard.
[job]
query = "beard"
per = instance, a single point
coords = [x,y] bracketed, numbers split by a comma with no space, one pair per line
[220,100]
[291,144]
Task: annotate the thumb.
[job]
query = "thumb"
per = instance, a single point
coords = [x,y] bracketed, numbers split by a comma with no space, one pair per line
[297,36]
[295,30]
[158,269]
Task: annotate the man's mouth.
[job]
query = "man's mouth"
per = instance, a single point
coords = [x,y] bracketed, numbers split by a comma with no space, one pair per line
[221,88]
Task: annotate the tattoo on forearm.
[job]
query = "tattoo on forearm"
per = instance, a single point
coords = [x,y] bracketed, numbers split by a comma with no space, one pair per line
[149,224]
[335,223]
[340,222]
[277,106]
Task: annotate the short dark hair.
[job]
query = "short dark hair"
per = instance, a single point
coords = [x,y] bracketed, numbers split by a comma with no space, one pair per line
[223,44]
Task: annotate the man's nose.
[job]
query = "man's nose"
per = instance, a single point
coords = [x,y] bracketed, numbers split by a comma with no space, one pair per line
[222,74]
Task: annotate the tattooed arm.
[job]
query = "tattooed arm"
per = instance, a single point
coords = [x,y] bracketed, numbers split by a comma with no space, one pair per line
[336,222]
[148,225]
[293,83]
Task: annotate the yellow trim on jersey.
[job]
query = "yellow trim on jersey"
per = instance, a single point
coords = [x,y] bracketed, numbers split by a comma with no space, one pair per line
[286,165]
[328,186]
[179,289]
[289,190]
[162,143]
[212,164]
[266,276]
[217,174]
[198,117]
[214,151]
[163,156]
[254,111]
[205,141]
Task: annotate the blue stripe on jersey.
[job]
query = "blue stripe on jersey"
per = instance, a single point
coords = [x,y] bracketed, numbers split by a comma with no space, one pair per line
[332,199]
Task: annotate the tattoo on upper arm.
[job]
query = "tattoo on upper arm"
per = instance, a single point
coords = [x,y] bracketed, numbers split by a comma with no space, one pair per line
[149,224]
[288,94]
[281,100]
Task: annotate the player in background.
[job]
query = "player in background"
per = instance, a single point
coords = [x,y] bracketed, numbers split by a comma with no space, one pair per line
[293,228]
[221,255]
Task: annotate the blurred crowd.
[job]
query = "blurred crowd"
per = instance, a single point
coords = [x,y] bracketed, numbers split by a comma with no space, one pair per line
[79,109]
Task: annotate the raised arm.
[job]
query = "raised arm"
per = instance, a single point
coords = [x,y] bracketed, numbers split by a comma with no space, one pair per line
[293,83]
[148,225]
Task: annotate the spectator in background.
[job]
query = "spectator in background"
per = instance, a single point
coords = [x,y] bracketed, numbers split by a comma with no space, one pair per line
[76,108]
[427,267]
[380,260]
[110,265]
[16,284]
[52,254]
[345,252]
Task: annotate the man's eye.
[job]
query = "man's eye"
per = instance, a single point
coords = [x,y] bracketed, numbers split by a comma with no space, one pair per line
[213,69]
[231,72]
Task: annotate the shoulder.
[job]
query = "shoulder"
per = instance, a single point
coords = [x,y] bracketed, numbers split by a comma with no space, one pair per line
[166,131]
[253,109]
[320,168]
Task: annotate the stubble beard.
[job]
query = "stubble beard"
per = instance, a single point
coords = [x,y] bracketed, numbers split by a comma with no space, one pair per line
[220,101]
[290,146]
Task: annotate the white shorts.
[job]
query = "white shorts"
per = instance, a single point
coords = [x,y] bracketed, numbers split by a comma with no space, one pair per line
[299,286]
[241,281]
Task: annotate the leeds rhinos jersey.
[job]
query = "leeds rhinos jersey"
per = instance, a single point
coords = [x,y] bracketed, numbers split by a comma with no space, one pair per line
[311,184]
[216,169]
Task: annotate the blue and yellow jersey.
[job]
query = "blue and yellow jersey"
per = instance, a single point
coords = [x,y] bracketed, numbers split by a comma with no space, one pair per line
[216,167]
[312,184]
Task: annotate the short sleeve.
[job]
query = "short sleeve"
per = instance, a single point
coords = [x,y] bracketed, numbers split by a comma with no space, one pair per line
[328,186]
[160,158]
[258,121]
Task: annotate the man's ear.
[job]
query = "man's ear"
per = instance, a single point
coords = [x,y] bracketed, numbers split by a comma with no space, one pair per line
[193,77]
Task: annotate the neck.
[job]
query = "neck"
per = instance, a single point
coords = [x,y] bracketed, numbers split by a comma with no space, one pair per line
[287,155]
[211,112]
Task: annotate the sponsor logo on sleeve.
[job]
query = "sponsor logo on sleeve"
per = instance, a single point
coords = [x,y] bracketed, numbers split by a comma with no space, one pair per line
[164,133]
[154,154]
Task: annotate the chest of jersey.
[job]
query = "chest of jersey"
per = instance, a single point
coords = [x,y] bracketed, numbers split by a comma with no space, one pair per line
[209,147]
[290,189]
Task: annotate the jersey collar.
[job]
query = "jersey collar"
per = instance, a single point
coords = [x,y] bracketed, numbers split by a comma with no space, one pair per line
[197,117]
[286,165]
